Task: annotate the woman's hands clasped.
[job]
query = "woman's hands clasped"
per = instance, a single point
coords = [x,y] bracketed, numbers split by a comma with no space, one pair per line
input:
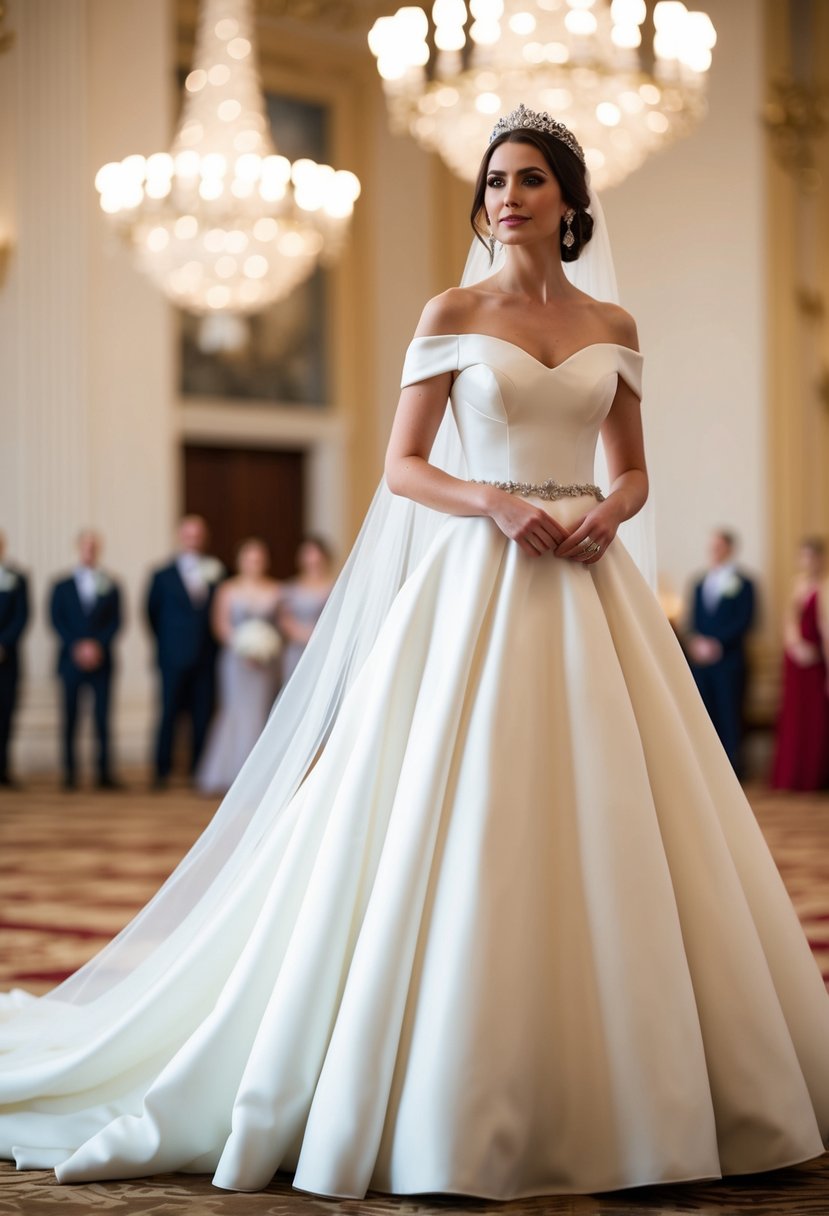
[588,540]
[536,532]
[532,529]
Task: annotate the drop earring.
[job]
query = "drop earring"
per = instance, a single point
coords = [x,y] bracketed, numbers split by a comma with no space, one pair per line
[491,244]
[568,240]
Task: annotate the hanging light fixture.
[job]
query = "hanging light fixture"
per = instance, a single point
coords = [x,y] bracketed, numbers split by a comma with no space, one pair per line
[221,222]
[447,77]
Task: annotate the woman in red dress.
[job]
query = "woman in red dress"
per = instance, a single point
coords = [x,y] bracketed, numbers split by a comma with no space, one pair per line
[801,759]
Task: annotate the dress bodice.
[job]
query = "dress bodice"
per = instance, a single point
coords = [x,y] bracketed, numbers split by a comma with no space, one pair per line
[810,619]
[518,419]
[242,610]
[304,603]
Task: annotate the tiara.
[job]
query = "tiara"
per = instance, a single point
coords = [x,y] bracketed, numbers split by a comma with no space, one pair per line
[522,117]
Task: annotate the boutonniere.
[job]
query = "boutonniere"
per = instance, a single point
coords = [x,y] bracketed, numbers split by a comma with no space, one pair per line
[211,569]
[732,586]
[8,580]
[103,584]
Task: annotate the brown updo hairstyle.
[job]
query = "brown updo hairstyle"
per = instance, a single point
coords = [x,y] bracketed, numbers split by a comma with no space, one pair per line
[569,173]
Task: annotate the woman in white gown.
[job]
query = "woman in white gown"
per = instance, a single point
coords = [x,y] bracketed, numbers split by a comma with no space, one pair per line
[497,919]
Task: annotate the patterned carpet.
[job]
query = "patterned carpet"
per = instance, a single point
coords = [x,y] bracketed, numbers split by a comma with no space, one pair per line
[74,868]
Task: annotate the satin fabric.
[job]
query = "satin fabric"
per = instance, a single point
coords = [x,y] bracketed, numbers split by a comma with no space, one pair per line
[516,933]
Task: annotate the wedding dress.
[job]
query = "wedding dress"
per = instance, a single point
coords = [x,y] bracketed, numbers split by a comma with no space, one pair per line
[517,930]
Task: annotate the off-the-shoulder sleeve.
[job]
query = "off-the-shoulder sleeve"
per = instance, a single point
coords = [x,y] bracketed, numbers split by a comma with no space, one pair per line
[630,369]
[429,357]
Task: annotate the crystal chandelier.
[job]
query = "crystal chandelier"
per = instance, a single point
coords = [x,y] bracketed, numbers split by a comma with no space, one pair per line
[447,78]
[221,223]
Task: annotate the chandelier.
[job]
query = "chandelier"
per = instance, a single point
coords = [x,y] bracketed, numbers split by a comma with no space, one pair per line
[220,222]
[447,78]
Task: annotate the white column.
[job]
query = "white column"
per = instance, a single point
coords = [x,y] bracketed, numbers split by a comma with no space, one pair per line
[84,344]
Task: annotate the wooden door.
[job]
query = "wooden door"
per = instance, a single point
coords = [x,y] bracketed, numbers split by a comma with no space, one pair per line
[244,492]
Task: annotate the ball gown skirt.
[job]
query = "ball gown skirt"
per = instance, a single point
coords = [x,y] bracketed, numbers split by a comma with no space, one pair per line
[516,933]
[801,758]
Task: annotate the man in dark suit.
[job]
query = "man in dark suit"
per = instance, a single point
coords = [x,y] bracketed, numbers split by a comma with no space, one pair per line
[14,615]
[86,612]
[178,609]
[721,617]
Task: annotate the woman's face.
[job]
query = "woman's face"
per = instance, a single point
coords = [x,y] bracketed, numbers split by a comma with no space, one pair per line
[253,561]
[311,559]
[811,561]
[523,199]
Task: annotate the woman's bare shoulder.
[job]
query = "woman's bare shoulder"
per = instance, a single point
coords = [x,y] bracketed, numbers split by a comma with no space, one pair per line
[620,323]
[447,313]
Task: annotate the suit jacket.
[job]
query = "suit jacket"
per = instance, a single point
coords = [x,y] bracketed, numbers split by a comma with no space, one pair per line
[72,622]
[732,618]
[182,630]
[14,612]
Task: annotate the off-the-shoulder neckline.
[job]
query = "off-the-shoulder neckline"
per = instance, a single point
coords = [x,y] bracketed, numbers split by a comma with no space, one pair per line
[515,346]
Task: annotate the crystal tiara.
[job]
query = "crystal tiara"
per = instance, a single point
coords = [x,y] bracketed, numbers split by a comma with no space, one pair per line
[522,117]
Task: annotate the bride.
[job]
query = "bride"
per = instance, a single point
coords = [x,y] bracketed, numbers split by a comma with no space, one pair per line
[486,910]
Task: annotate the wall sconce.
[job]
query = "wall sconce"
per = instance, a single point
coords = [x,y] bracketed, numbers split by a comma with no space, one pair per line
[6,36]
[6,246]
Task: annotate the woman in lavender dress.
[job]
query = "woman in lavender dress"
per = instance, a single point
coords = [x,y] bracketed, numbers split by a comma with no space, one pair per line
[244,621]
[303,599]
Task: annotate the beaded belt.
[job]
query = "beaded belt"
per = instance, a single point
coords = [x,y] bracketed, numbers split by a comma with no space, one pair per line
[549,489]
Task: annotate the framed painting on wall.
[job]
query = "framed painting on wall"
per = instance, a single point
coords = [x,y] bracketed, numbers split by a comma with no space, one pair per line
[283,360]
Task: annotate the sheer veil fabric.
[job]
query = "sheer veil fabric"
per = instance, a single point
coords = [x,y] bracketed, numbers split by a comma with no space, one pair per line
[130,976]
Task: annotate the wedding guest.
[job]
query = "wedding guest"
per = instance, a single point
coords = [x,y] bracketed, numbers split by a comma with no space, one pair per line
[178,609]
[303,599]
[243,619]
[14,616]
[801,760]
[721,616]
[85,610]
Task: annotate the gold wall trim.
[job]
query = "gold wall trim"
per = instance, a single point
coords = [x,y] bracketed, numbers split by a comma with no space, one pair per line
[796,70]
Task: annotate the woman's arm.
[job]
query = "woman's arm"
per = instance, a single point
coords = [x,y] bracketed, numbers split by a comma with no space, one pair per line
[625,451]
[220,614]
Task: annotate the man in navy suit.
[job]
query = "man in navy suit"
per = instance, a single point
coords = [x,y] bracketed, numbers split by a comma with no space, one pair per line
[86,612]
[14,615]
[721,617]
[178,609]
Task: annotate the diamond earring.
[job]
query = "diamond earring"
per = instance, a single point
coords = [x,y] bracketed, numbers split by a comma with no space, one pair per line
[568,239]
[491,243]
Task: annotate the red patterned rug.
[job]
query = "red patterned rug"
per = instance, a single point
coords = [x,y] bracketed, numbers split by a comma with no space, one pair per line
[75,867]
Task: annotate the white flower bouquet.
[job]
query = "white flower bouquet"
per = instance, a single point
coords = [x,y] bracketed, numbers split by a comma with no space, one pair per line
[256,640]
[211,569]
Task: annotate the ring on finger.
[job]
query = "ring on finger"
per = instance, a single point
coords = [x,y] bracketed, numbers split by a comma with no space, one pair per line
[594,548]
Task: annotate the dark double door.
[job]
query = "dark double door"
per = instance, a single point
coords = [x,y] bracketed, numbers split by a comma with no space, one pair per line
[244,492]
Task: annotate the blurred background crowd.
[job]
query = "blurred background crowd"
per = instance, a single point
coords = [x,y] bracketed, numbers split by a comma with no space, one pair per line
[225,641]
